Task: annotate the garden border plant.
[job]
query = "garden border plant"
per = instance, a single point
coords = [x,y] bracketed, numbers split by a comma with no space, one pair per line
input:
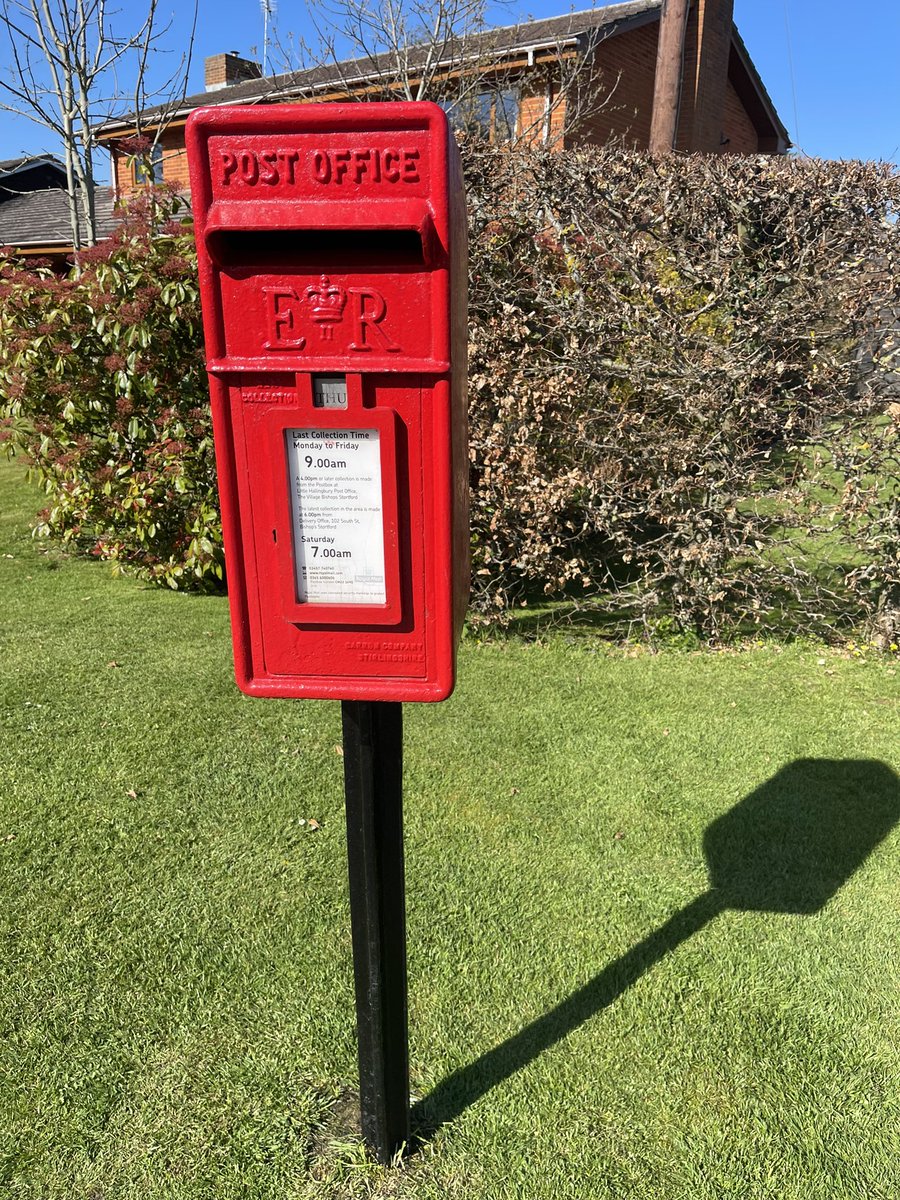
[103,388]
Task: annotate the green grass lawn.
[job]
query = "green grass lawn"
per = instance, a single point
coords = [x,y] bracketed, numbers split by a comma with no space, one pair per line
[654,916]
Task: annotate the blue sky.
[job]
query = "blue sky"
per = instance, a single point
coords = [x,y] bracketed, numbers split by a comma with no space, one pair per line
[835,79]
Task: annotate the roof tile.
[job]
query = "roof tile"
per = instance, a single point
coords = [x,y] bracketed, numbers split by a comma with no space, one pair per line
[41,218]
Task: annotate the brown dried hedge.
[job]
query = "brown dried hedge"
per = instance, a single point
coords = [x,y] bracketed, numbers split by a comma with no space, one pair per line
[681,396]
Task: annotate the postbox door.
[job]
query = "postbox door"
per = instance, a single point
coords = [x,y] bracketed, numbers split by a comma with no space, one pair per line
[311,592]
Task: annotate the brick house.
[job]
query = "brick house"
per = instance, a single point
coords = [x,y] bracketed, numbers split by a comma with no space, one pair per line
[35,221]
[521,71]
[31,173]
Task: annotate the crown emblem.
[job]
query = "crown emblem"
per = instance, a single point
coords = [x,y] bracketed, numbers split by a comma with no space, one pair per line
[327,300]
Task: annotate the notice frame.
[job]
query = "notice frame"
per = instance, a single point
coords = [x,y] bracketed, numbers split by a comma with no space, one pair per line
[355,419]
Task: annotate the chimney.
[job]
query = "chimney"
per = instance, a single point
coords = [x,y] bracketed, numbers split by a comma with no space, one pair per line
[222,70]
[707,49]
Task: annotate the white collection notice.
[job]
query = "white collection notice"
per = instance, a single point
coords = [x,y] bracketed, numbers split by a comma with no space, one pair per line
[336,514]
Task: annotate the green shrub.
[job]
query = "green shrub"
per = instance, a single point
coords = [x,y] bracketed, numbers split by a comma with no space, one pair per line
[103,388]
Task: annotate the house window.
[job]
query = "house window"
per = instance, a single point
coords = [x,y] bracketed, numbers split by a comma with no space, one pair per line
[149,168]
[491,114]
[505,114]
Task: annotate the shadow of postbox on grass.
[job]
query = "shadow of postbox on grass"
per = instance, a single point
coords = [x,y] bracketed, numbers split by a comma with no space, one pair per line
[787,847]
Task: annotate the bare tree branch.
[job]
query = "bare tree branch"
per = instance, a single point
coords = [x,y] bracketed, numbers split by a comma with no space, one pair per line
[65,55]
[442,50]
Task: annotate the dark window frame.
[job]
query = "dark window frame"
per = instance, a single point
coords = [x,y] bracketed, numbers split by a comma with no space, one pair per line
[493,112]
[143,172]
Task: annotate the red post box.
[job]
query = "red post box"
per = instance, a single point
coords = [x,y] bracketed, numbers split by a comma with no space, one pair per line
[332,253]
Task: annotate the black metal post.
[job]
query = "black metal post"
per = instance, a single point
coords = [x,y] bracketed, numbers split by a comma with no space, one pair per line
[373,769]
